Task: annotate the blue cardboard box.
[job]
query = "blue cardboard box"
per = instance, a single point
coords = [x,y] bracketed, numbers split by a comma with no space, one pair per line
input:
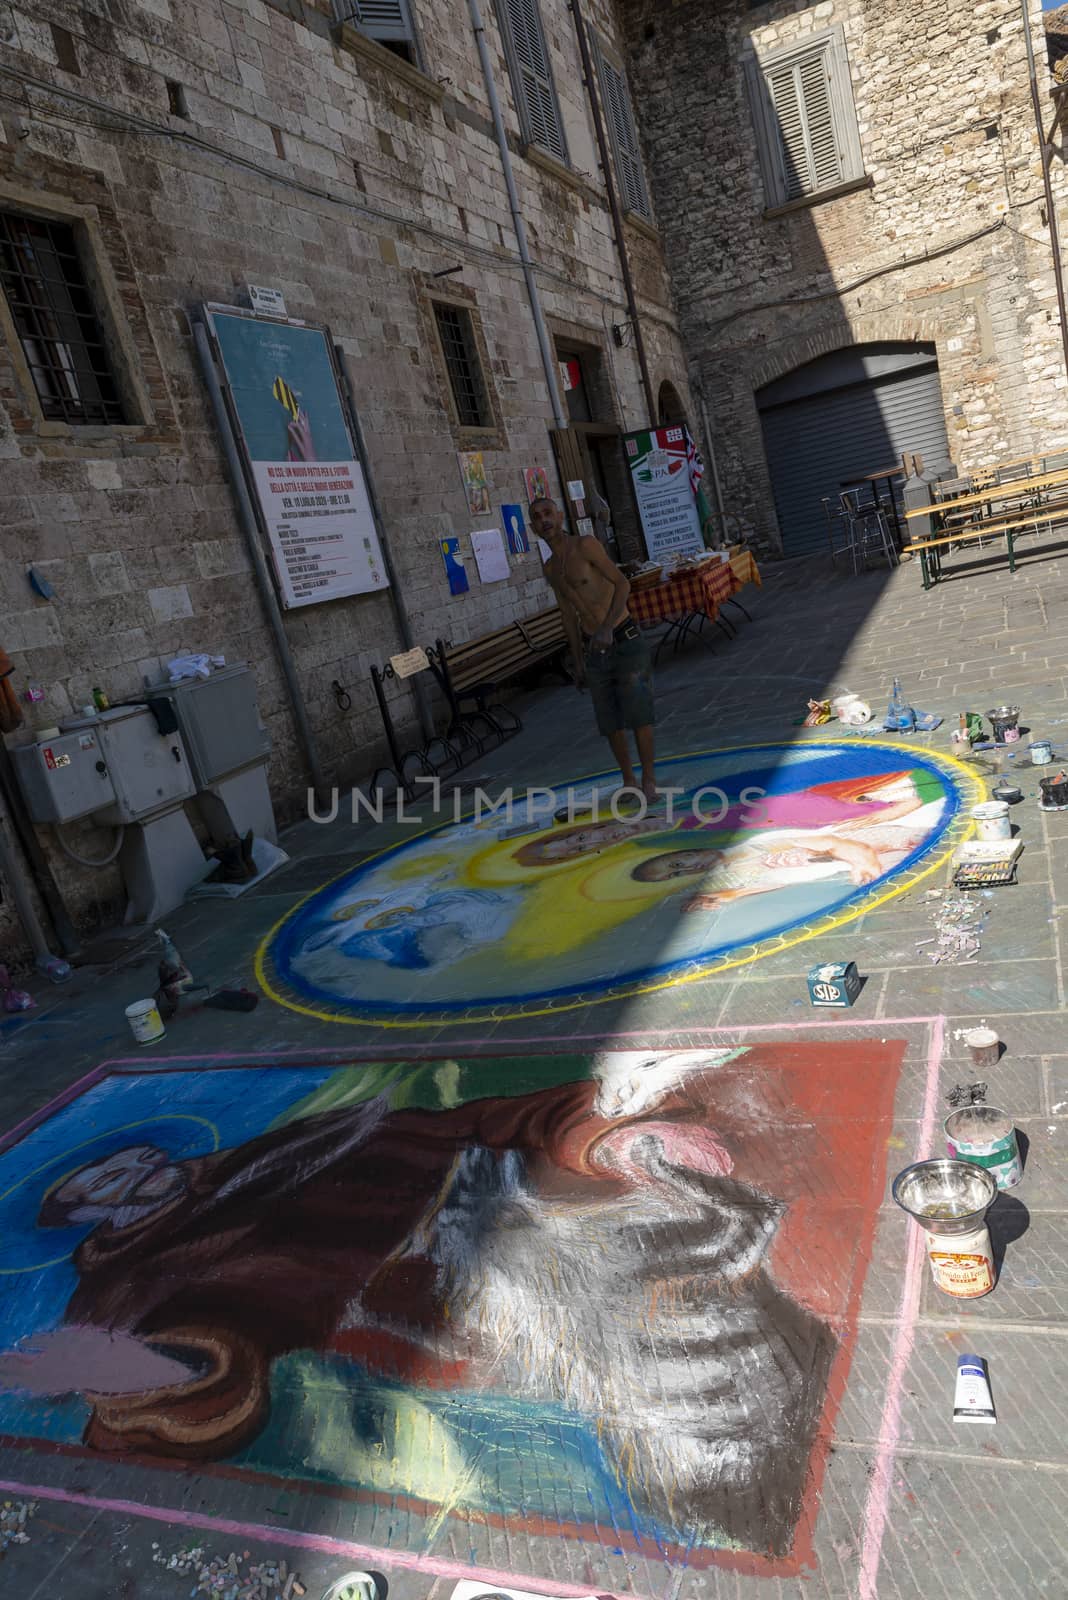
[835,983]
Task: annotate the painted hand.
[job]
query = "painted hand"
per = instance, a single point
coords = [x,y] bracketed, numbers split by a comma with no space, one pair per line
[88,1360]
[301,444]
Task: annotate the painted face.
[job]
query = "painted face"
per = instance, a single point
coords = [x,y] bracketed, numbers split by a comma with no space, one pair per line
[139,1178]
[682,864]
[583,839]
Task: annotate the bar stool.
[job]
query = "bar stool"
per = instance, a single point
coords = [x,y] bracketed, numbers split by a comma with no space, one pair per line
[870,531]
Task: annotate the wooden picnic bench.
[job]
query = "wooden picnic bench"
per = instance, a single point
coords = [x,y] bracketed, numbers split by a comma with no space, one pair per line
[471,673]
[967,532]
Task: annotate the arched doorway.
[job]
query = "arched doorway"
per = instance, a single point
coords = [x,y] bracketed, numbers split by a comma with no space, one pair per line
[840,417]
[669,406]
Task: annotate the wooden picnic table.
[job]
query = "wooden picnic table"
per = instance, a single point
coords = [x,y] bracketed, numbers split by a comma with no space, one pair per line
[1042,504]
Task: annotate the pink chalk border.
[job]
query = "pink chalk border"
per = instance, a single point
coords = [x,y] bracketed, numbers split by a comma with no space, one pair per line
[877,1508]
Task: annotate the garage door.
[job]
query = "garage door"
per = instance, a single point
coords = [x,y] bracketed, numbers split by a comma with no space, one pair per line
[841,417]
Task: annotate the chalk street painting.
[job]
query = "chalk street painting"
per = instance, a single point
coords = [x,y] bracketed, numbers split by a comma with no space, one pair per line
[504,917]
[609,1299]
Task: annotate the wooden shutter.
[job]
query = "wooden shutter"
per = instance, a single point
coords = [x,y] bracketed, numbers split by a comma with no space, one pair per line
[801,97]
[616,97]
[528,55]
[571,464]
[383,19]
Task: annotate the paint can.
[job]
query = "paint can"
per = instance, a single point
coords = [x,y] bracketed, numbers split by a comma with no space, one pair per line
[986,1136]
[991,820]
[950,1199]
[1041,752]
[1005,722]
[984,1046]
[962,1265]
[1009,792]
[1054,790]
[146,1024]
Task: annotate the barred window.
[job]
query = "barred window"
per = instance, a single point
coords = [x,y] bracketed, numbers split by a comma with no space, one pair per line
[61,335]
[466,380]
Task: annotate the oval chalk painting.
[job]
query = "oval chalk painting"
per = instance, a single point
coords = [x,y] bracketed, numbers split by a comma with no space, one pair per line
[532,910]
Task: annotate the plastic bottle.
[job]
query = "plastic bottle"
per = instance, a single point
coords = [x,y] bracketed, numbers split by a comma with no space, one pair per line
[900,715]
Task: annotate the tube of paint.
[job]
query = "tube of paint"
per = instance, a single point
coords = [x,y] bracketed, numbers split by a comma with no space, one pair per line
[971,1400]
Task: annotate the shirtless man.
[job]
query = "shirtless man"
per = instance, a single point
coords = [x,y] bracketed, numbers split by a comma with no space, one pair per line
[609,652]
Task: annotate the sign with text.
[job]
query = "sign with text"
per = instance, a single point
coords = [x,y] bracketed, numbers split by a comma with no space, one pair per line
[659,465]
[307,484]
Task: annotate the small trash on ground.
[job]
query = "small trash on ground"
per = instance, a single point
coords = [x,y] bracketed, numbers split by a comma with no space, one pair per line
[12,999]
[819,712]
[231,1577]
[966,1094]
[233,1000]
[958,923]
[14,1515]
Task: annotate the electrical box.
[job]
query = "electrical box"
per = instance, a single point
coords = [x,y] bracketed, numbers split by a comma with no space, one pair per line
[149,770]
[219,720]
[64,778]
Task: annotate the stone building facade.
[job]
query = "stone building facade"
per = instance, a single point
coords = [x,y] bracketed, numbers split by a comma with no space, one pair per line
[190,148]
[848,177]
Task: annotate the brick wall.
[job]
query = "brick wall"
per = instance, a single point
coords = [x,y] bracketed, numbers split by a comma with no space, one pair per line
[345,179]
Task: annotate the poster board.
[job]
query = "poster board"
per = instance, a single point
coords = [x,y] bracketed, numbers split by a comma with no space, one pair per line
[306,482]
[660,472]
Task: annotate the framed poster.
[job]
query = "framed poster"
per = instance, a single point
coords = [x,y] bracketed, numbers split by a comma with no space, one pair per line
[659,463]
[515,529]
[306,482]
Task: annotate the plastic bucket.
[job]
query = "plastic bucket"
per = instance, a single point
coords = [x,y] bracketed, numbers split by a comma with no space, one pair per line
[146,1024]
[1041,752]
[992,820]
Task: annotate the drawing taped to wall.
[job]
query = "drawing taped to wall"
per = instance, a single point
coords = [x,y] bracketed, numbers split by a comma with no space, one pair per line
[314,1273]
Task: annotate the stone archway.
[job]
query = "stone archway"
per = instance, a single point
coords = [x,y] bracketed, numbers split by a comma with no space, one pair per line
[669,405]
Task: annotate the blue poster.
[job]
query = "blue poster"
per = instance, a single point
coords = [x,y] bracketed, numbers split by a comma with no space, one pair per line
[515,530]
[454,567]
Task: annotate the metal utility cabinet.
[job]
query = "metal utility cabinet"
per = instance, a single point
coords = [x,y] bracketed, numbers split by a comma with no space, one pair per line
[228,748]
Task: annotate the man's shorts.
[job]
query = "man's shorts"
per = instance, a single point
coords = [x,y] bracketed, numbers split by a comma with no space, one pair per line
[621,681]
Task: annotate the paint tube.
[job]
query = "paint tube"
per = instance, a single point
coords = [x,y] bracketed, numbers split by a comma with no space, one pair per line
[971,1400]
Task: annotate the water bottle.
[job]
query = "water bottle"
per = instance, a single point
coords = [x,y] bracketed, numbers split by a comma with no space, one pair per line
[900,716]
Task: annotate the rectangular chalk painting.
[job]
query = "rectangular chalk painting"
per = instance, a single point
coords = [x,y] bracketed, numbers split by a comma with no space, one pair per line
[607,1298]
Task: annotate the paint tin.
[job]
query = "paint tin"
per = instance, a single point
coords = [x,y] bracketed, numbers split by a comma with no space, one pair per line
[950,1199]
[962,1264]
[1005,722]
[1041,753]
[991,820]
[986,1137]
[984,1047]
[1054,790]
[1009,792]
[146,1024]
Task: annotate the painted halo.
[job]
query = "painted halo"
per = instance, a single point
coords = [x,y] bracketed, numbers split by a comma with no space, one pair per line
[530,911]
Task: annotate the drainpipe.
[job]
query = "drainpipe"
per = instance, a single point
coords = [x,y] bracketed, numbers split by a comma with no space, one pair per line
[613,206]
[251,530]
[1043,144]
[400,610]
[717,487]
[548,357]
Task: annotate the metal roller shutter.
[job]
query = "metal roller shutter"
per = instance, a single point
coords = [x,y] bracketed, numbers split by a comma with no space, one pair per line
[817,442]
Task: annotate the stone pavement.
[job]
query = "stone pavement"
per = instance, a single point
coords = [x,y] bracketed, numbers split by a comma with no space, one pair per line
[906,1503]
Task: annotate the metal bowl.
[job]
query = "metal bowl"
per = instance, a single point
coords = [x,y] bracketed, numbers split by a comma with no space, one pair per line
[945,1196]
[1003,714]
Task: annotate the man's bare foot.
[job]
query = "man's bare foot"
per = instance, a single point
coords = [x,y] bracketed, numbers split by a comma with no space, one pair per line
[650,791]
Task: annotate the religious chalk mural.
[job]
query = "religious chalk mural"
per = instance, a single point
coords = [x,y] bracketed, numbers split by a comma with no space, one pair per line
[560,902]
[608,1299]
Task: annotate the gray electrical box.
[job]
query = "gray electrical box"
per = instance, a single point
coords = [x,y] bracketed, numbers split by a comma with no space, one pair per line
[149,770]
[219,720]
[64,778]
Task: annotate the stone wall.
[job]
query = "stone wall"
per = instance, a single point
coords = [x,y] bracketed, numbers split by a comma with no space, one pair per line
[950,155]
[202,145]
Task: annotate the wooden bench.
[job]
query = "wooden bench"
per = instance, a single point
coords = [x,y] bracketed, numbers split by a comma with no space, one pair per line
[995,527]
[472,672]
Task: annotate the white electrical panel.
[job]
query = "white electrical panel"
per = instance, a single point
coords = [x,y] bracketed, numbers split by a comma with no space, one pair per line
[149,770]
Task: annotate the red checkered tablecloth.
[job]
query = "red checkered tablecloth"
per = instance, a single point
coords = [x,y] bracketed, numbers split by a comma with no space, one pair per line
[704,590]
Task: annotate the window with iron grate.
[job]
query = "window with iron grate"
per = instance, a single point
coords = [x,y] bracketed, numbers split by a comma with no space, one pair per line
[61,335]
[805,120]
[466,381]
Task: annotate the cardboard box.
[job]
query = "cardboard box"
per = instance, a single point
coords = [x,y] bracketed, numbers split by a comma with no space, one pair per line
[835,984]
